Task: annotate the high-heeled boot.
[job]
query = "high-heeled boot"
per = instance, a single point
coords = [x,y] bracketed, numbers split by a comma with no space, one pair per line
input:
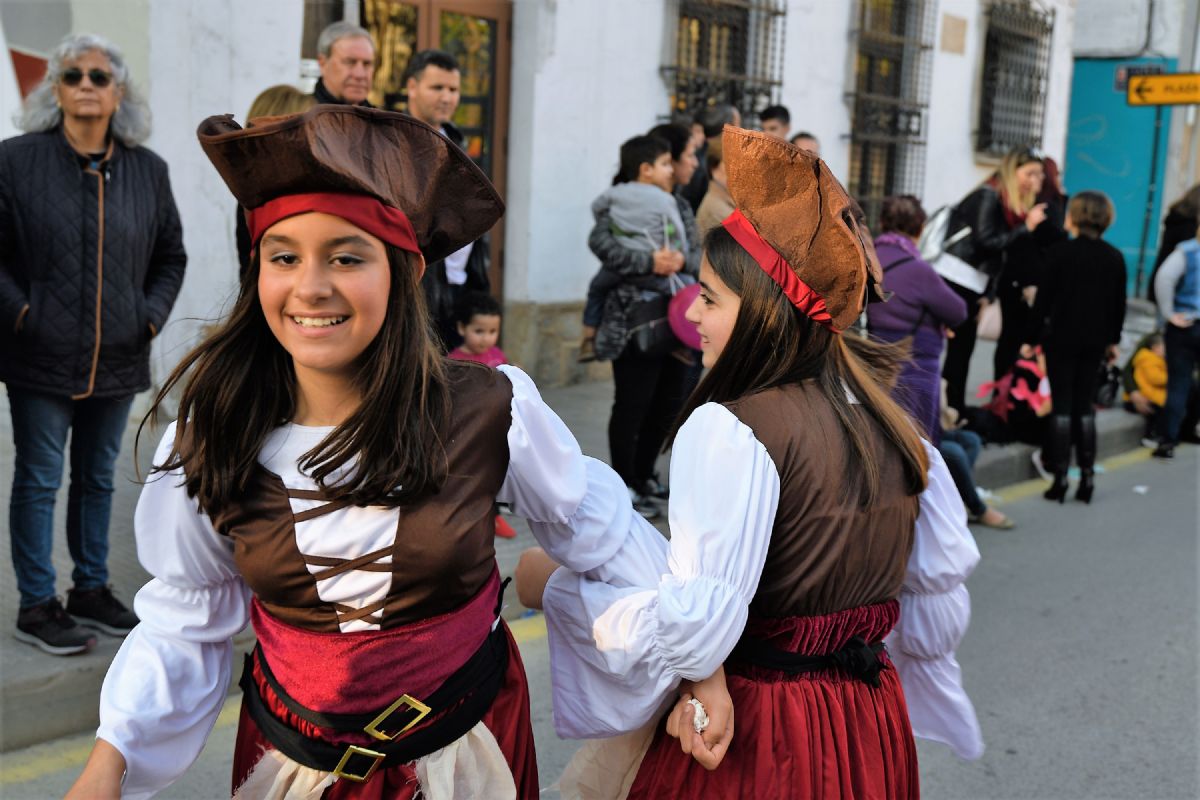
[1058,450]
[1085,452]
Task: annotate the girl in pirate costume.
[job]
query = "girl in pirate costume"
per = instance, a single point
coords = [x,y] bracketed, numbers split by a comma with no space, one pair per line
[330,479]
[809,525]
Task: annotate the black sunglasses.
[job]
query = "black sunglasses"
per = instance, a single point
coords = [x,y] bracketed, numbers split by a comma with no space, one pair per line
[73,76]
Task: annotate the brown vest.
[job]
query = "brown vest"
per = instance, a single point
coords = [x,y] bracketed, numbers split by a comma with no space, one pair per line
[826,553]
[444,547]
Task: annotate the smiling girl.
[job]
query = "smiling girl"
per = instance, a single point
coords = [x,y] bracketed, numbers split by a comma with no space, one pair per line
[331,480]
[809,522]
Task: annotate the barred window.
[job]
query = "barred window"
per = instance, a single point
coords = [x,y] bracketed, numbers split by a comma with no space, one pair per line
[727,51]
[1016,65]
[891,97]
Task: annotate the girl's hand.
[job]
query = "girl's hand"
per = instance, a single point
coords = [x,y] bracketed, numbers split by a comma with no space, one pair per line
[101,778]
[710,746]
[533,572]
[1114,354]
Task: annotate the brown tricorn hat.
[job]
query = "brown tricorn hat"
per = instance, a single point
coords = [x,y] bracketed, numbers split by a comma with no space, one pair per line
[798,207]
[394,158]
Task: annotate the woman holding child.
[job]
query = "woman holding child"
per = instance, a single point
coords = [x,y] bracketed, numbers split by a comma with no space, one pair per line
[636,263]
[809,523]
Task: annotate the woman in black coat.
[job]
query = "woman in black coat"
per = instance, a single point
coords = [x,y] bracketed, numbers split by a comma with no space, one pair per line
[999,212]
[91,259]
[1078,316]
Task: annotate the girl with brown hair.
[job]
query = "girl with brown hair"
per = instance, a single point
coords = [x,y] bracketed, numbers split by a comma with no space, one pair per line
[331,480]
[809,522]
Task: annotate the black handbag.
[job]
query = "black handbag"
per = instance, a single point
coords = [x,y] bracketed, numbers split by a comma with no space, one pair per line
[650,333]
[1108,385]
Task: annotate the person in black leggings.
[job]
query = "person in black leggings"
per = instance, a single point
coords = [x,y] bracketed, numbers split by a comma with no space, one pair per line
[1078,315]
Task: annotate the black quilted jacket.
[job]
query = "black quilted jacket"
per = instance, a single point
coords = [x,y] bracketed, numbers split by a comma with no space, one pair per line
[91,259]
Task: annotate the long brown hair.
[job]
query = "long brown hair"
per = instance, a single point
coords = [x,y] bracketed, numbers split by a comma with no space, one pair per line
[239,384]
[773,343]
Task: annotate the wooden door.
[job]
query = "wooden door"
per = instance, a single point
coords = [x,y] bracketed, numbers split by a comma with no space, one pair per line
[478,33]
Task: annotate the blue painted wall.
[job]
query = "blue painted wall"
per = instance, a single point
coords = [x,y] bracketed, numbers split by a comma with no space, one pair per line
[1109,146]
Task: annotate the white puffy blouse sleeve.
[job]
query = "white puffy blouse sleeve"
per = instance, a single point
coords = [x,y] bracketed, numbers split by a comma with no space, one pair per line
[165,687]
[626,626]
[935,609]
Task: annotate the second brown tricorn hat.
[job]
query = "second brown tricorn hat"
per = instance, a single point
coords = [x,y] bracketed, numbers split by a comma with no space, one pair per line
[796,205]
[392,157]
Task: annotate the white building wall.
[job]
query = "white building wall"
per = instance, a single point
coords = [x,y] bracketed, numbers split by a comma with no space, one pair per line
[818,69]
[209,57]
[1127,28]
[10,94]
[952,168]
[584,79]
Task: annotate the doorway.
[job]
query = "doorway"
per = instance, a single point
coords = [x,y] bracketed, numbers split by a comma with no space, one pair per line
[478,33]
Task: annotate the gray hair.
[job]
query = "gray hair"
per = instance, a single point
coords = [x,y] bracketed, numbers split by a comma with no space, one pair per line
[130,124]
[341,30]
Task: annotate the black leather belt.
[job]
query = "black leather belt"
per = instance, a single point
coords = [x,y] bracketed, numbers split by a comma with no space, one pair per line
[856,658]
[453,709]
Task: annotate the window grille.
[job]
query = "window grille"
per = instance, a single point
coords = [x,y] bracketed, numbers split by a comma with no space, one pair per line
[1016,66]
[727,51]
[890,100]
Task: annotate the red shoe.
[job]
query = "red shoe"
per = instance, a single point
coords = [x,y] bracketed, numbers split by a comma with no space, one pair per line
[503,529]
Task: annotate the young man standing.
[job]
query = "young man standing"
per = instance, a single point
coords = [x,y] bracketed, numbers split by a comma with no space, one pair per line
[776,121]
[433,87]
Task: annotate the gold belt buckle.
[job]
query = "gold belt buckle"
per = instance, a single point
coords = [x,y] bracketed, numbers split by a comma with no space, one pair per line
[355,750]
[375,726]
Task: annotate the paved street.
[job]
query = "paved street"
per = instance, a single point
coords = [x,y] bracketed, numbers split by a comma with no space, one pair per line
[1081,658]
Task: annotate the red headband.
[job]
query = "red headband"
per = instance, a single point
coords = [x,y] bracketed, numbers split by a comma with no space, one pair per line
[800,293]
[384,222]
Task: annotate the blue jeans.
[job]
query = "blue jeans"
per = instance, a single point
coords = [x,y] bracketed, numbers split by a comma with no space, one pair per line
[959,449]
[40,423]
[1183,356]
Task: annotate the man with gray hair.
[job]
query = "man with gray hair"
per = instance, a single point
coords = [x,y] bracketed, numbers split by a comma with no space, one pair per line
[346,55]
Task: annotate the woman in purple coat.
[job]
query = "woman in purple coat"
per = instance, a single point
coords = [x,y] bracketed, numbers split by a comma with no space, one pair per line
[922,307]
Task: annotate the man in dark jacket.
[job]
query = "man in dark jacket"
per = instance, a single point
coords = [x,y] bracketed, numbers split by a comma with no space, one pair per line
[432,85]
[91,259]
[346,55]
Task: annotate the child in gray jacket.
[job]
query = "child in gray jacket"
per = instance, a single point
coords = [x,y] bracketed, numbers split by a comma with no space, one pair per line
[643,216]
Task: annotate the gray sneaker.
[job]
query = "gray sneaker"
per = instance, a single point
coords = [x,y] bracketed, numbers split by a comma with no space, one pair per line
[48,627]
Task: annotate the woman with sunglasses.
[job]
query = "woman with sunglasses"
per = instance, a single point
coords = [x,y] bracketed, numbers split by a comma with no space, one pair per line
[91,259]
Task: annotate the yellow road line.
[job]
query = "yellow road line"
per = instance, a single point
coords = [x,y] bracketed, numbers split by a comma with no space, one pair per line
[1020,491]
[528,629]
[73,756]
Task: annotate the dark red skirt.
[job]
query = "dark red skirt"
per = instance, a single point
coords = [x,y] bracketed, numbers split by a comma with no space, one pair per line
[507,719]
[819,735]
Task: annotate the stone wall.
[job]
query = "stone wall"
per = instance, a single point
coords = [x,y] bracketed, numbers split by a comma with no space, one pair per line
[543,339]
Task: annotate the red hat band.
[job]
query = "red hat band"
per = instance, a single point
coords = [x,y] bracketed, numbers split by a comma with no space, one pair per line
[384,222]
[803,296]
